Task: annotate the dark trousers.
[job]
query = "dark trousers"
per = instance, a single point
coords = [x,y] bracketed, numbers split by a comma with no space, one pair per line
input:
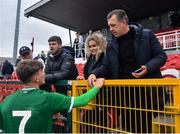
[63,89]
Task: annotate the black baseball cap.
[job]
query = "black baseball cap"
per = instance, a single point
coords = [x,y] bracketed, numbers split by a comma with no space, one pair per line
[24,50]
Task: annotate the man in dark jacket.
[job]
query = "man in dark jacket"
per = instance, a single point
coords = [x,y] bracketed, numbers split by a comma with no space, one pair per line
[131,48]
[60,66]
[7,69]
[60,63]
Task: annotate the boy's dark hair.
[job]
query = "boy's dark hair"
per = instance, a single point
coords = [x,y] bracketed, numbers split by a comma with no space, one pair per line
[120,14]
[27,68]
[55,38]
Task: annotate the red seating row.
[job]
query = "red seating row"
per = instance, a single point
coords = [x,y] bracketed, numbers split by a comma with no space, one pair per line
[7,89]
[173,62]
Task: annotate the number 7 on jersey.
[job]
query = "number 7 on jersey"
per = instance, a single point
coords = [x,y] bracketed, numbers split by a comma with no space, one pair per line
[26,115]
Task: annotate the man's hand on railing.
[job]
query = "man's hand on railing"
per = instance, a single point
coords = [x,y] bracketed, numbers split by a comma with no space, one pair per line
[80,78]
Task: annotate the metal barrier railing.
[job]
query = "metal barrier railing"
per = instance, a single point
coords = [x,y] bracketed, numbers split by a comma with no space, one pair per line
[130,106]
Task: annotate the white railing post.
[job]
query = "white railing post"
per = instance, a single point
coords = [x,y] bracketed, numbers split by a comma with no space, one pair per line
[164,42]
[170,39]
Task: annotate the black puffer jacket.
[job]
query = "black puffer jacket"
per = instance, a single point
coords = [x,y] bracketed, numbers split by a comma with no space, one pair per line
[61,66]
[7,68]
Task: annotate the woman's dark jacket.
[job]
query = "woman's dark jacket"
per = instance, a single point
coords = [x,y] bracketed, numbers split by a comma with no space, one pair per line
[95,64]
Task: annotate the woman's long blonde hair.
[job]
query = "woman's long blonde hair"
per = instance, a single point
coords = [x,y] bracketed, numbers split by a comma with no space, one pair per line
[100,42]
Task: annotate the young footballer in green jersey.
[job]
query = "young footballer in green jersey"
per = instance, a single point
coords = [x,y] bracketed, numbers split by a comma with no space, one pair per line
[30,110]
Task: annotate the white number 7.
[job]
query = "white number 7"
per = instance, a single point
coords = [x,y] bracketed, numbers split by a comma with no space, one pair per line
[26,115]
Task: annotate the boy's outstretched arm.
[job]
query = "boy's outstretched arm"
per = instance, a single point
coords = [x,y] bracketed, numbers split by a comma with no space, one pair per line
[85,98]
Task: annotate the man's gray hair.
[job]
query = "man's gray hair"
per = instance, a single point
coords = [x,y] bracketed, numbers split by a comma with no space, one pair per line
[120,14]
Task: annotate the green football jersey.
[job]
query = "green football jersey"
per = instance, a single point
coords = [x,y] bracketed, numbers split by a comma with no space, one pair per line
[0,119]
[31,110]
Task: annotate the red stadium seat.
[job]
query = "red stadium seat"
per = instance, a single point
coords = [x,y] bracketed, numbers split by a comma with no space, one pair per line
[173,62]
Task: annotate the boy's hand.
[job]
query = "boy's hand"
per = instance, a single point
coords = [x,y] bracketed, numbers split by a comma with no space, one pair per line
[98,82]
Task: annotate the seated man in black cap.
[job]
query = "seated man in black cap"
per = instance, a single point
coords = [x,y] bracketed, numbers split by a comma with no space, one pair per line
[25,53]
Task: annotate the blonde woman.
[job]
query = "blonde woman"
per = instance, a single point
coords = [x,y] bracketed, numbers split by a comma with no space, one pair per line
[95,46]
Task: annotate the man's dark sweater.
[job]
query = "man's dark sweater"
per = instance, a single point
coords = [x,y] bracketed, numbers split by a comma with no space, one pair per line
[126,55]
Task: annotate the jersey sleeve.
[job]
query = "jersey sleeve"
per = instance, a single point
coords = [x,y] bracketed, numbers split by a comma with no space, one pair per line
[59,102]
[84,99]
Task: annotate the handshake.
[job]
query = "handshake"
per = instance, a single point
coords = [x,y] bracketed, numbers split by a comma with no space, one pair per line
[97,82]
[93,81]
